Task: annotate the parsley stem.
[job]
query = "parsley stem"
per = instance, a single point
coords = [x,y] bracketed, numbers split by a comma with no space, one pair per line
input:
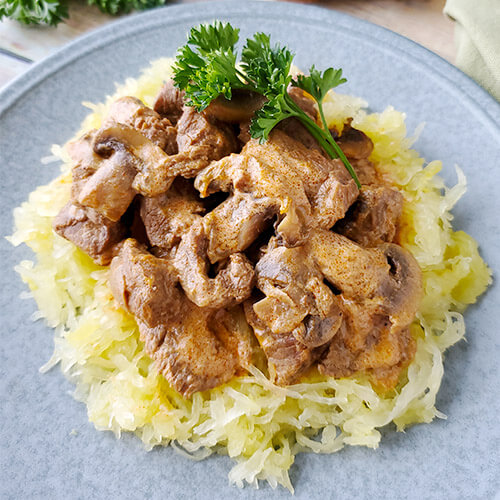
[324,137]
[328,137]
[322,115]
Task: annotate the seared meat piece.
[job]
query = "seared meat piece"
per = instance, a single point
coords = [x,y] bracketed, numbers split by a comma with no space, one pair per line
[90,231]
[196,130]
[234,224]
[294,291]
[374,217]
[170,102]
[309,189]
[287,359]
[368,341]
[234,280]
[298,315]
[366,172]
[146,286]
[381,289]
[192,347]
[168,216]
[131,111]
[199,142]
[355,144]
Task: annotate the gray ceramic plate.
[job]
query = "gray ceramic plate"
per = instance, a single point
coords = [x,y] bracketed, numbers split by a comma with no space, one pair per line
[454,458]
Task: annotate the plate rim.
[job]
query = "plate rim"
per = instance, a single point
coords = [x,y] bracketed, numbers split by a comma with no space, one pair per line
[477,97]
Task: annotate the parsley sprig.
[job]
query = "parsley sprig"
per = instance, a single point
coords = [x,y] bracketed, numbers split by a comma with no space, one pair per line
[49,12]
[52,12]
[207,67]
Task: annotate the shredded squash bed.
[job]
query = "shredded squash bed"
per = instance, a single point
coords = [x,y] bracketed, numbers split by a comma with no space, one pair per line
[261,426]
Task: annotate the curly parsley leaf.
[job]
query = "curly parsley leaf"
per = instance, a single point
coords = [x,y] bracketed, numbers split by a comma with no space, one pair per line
[212,37]
[206,66]
[35,11]
[266,118]
[52,12]
[266,67]
[124,6]
[318,84]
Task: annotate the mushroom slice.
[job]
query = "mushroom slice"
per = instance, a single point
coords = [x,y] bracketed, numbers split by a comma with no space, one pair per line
[356,271]
[402,289]
[317,330]
[381,289]
[387,275]
[131,111]
[354,143]
[86,162]
[151,162]
[109,190]
[240,108]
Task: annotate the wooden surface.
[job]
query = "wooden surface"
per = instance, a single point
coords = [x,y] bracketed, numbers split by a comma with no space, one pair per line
[419,20]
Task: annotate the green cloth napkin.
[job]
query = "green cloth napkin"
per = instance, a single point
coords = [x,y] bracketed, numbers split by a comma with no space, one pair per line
[477,38]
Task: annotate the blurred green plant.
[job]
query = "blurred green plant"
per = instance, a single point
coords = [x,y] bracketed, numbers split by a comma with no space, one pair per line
[52,12]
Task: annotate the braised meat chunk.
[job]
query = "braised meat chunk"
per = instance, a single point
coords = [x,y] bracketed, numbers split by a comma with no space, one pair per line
[374,217]
[132,112]
[167,217]
[287,359]
[377,293]
[234,224]
[90,231]
[306,189]
[169,102]
[190,346]
[232,284]
[199,141]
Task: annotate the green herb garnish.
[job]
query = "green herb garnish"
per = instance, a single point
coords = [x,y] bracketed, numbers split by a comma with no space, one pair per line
[207,67]
[53,12]
[35,11]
